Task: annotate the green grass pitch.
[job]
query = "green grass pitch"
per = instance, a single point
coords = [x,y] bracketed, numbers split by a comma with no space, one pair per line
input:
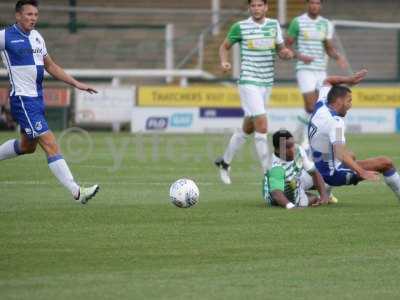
[130,242]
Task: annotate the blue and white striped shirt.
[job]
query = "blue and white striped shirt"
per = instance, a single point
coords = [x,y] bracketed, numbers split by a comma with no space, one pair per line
[23,55]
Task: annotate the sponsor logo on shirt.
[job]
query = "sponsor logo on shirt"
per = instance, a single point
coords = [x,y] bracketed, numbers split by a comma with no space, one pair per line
[261,44]
[27,51]
[313,35]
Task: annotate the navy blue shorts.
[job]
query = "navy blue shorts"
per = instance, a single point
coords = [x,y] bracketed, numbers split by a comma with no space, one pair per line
[342,176]
[28,112]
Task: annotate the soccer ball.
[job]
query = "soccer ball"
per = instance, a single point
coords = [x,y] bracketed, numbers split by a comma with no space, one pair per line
[184,193]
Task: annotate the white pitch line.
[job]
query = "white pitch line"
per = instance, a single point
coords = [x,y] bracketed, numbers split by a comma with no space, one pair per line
[133,182]
[28,183]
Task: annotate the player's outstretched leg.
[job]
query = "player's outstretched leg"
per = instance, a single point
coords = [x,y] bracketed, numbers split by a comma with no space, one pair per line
[223,163]
[260,140]
[302,131]
[58,166]
[310,98]
[10,149]
[61,171]
[392,179]
[385,166]
[85,194]
[236,142]
[224,169]
[13,148]
[261,144]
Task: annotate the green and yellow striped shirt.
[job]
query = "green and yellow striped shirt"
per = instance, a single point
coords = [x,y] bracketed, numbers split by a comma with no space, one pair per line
[257,49]
[310,36]
[285,176]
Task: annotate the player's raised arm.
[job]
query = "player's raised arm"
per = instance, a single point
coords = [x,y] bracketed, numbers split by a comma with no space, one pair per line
[349,80]
[57,72]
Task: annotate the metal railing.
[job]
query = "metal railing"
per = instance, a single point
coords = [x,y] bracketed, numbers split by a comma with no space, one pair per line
[115,75]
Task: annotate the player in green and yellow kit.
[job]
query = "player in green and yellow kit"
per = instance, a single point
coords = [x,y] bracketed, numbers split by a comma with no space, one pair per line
[312,35]
[291,175]
[260,40]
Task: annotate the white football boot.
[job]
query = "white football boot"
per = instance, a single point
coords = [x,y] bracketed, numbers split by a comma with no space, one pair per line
[86,193]
[224,170]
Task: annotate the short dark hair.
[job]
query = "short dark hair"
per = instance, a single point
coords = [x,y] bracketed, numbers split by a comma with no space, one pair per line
[337,91]
[21,3]
[276,138]
[265,1]
[319,1]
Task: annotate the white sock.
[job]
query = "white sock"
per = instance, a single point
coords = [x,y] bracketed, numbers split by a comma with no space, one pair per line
[60,169]
[306,180]
[305,143]
[260,141]
[328,189]
[392,179]
[236,142]
[301,131]
[9,149]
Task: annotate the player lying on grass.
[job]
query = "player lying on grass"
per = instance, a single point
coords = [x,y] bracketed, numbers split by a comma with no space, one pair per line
[283,183]
[333,160]
[260,39]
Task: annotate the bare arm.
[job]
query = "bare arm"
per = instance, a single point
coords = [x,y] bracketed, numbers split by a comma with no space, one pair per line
[284,52]
[224,55]
[333,53]
[349,80]
[319,184]
[280,198]
[57,72]
[304,58]
[346,158]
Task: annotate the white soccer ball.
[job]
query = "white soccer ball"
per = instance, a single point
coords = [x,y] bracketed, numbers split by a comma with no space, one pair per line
[184,193]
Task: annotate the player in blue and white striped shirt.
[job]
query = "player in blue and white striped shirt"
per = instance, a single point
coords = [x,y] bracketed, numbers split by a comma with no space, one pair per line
[24,53]
[326,131]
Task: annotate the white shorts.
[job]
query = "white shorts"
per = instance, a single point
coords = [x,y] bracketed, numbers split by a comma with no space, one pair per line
[303,198]
[310,81]
[254,99]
